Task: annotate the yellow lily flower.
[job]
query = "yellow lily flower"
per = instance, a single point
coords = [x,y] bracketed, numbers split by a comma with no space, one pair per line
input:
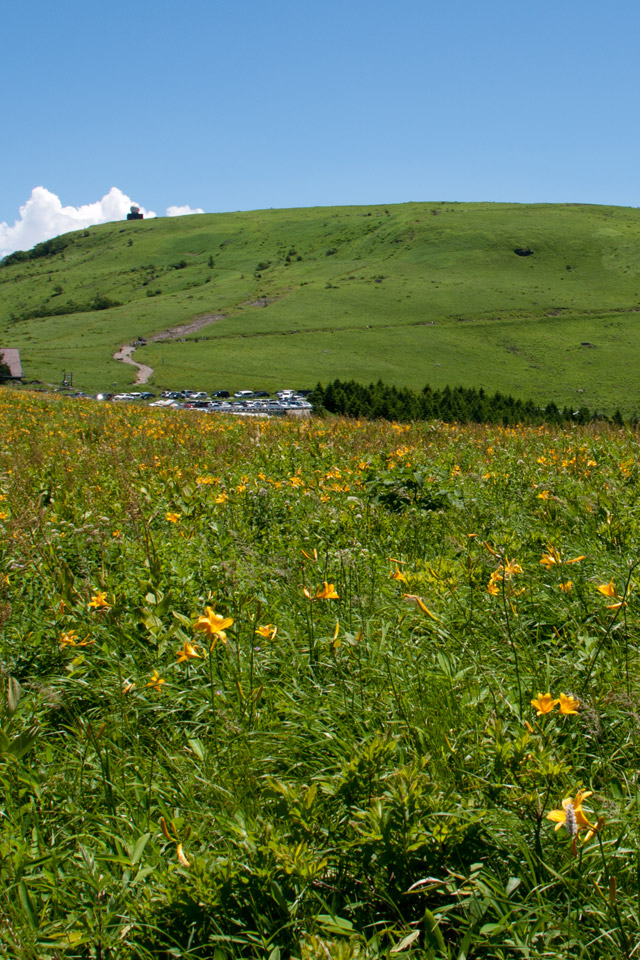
[568,704]
[511,567]
[573,819]
[607,589]
[213,625]
[550,558]
[98,601]
[544,703]
[70,639]
[268,631]
[156,682]
[326,592]
[188,652]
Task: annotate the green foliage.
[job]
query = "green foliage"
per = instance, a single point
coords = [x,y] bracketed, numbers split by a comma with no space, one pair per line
[48,248]
[457,405]
[347,762]
[100,302]
[399,487]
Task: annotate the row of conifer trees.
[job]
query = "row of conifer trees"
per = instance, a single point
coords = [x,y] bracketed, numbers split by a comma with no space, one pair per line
[379,401]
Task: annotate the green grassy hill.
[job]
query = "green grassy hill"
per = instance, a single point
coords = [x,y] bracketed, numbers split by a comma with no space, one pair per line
[413,294]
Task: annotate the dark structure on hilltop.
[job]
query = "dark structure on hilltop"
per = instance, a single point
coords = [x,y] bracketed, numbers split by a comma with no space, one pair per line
[135,213]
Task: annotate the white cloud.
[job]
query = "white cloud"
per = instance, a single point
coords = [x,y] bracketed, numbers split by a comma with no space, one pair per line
[182,211]
[43,217]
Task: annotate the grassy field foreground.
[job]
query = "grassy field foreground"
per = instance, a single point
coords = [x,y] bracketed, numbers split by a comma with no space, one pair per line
[267,688]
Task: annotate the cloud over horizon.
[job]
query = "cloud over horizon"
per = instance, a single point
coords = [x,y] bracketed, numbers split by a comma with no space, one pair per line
[43,217]
[182,211]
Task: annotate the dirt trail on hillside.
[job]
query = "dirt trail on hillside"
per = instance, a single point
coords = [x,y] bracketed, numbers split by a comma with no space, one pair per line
[124,354]
[185,328]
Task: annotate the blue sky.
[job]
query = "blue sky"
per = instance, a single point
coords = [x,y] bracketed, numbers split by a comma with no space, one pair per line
[246,105]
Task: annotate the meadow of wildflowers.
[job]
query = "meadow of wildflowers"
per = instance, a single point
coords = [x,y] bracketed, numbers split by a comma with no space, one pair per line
[316,689]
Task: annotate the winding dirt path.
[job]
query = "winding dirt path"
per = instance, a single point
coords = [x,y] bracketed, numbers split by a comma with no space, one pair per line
[124,354]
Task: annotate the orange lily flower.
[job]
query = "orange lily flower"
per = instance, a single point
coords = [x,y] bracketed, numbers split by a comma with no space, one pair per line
[544,703]
[188,652]
[213,625]
[568,704]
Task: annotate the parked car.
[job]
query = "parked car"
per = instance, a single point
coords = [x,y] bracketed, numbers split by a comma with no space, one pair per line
[243,394]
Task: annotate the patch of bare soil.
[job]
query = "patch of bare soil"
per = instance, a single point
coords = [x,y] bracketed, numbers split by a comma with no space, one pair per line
[192,327]
[262,302]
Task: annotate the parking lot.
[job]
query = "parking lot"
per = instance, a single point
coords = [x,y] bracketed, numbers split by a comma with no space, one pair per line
[242,403]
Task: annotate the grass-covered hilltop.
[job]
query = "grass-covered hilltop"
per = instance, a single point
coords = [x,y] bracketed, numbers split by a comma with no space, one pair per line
[539,301]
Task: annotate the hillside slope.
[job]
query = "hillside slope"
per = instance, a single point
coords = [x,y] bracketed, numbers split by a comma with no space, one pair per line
[413,294]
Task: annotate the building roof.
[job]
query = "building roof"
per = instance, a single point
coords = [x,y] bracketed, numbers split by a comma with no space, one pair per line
[12,359]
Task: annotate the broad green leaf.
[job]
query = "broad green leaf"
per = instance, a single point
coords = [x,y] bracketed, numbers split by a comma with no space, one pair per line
[335,925]
[138,850]
[512,884]
[27,905]
[406,942]
[432,934]
[197,747]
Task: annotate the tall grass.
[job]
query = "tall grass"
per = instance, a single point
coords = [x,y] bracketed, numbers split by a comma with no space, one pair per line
[267,688]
